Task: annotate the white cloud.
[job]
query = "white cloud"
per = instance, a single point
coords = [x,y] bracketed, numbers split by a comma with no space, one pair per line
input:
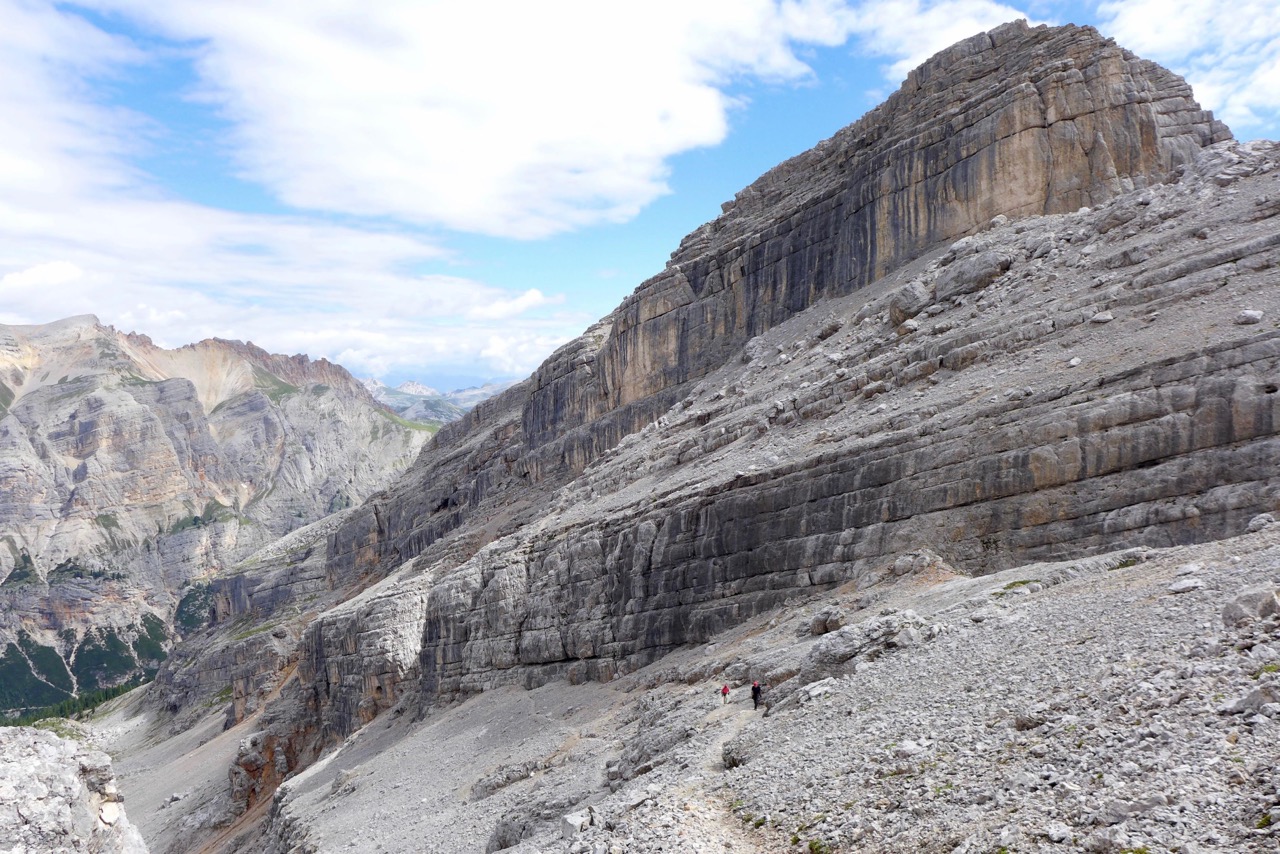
[1228,52]
[41,276]
[503,117]
[506,118]
[82,232]
[502,308]
[910,31]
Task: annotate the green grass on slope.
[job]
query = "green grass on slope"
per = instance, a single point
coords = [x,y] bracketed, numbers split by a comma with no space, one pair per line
[428,427]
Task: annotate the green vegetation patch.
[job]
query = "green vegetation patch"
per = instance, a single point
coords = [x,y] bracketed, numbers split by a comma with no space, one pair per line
[46,663]
[6,399]
[24,572]
[212,512]
[102,660]
[69,569]
[193,610]
[428,427]
[1021,583]
[20,688]
[251,630]
[149,644]
[271,385]
[61,727]
[72,706]
[107,521]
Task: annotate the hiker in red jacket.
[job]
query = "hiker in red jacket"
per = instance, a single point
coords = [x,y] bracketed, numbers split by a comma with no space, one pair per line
[724,695]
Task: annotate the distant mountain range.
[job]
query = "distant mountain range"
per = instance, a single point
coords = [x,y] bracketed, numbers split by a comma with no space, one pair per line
[130,475]
[418,402]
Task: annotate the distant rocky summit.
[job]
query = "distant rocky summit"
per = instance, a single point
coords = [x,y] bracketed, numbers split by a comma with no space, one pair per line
[130,475]
[421,403]
[1023,314]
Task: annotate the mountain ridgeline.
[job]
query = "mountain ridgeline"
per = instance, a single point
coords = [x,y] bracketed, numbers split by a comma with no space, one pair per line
[130,475]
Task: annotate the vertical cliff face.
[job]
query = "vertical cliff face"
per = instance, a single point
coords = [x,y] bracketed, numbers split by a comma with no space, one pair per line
[1016,122]
[128,472]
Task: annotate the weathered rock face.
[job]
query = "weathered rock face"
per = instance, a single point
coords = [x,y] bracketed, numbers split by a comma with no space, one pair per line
[1014,122]
[822,380]
[59,795]
[128,472]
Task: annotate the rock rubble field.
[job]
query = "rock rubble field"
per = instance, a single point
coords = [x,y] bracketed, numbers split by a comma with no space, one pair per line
[1126,702]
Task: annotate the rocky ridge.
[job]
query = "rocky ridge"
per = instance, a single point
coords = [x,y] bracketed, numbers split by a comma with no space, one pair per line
[779,468]
[130,474]
[1093,705]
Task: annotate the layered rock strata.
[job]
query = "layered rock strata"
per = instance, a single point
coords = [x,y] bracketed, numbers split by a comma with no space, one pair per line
[1019,121]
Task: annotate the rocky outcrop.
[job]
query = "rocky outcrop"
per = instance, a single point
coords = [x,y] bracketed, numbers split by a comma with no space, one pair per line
[130,473]
[56,794]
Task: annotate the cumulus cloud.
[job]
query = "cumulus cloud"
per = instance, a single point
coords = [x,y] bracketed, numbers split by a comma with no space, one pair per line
[36,278]
[1229,52]
[500,117]
[82,231]
[532,298]
[908,32]
[381,128]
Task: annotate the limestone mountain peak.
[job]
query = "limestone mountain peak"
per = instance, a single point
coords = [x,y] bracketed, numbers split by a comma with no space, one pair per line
[129,473]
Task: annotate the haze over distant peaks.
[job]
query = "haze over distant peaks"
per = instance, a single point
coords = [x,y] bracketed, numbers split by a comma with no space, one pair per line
[419,402]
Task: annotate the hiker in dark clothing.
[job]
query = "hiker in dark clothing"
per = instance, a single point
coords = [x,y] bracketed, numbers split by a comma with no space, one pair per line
[755,694]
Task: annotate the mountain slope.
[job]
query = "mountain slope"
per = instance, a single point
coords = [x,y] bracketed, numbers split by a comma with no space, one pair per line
[1023,311]
[128,472]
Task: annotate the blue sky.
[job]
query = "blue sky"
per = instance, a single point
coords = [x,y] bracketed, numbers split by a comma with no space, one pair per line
[448,191]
